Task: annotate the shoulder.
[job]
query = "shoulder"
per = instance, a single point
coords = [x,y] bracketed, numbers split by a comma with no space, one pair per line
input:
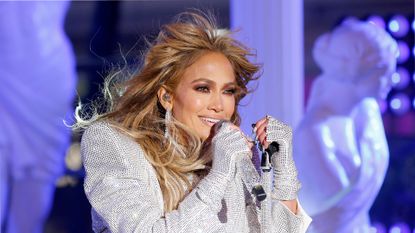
[103,138]
[104,131]
[99,128]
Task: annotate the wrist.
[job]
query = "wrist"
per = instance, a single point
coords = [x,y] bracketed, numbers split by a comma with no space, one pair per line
[286,188]
[211,189]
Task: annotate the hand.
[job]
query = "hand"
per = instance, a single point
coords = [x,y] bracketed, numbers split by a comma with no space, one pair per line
[260,132]
[286,184]
[228,145]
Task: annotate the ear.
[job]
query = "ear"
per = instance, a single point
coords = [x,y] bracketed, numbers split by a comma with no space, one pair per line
[165,98]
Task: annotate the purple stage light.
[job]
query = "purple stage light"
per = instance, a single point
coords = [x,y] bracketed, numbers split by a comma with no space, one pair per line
[398,26]
[413,29]
[400,79]
[403,52]
[377,20]
[378,228]
[399,104]
[400,228]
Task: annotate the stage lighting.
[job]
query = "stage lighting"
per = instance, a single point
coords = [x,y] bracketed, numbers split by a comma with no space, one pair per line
[413,25]
[399,104]
[400,79]
[398,26]
[378,228]
[73,157]
[377,20]
[400,228]
[403,52]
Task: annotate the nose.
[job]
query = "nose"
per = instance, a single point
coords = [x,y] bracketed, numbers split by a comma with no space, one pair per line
[216,103]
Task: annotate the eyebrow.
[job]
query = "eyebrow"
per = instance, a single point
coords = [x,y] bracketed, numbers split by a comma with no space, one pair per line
[212,82]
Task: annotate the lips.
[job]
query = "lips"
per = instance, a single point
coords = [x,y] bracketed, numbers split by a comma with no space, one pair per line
[209,121]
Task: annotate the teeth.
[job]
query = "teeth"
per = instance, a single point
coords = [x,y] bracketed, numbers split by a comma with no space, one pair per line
[210,120]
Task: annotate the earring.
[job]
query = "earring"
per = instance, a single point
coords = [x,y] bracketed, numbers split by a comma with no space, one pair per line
[166,97]
[171,140]
[167,120]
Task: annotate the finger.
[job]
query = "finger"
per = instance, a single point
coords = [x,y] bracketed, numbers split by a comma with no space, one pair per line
[262,120]
[236,128]
[265,144]
[258,123]
[227,125]
[262,137]
[261,128]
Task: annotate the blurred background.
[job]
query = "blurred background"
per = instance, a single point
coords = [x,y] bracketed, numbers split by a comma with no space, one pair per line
[105,34]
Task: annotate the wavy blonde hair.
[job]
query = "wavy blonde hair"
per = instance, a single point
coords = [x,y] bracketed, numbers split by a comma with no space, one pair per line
[133,105]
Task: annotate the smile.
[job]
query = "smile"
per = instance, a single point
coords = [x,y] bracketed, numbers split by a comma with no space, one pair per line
[209,121]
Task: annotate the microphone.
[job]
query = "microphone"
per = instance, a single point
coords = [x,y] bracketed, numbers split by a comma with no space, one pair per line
[251,178]
[267,154]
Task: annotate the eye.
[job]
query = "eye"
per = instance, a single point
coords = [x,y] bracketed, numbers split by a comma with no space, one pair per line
[204,89]
[230,91]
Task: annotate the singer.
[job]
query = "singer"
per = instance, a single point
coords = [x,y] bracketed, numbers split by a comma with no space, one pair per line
[167,155]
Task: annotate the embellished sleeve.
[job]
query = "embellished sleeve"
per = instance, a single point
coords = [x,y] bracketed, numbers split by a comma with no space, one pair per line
[284,220]
[118,187]
[276,217]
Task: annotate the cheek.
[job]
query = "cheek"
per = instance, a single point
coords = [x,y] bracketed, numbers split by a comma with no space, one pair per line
[187,107]
[229,106]
[194,105]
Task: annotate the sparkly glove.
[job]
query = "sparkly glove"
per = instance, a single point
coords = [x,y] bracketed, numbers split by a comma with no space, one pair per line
[286,184]
[227,146]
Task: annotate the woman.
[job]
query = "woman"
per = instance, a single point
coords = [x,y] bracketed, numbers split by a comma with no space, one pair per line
[153,164]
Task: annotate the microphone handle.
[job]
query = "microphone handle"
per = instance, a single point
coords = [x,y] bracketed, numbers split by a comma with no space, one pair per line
[251,178]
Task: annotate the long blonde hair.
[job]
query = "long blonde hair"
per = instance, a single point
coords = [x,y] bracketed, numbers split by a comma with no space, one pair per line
[133,106]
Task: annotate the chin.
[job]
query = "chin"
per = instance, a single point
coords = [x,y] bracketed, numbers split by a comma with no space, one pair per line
[204,135]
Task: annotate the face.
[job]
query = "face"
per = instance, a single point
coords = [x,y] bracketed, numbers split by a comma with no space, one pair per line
[205,94]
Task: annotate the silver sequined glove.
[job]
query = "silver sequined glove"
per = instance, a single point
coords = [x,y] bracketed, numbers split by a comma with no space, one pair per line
[228,146]
[286,184]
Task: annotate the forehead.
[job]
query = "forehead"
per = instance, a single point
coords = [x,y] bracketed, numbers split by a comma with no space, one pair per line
[212,66]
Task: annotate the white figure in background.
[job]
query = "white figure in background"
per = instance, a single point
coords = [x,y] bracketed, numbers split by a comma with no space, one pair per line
[340,144]
[37,85]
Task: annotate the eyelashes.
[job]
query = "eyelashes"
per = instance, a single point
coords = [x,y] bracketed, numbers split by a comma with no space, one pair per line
[231,91]
[206,89]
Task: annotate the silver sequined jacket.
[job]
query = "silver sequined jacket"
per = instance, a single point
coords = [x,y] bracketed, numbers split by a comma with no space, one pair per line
[125,195]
